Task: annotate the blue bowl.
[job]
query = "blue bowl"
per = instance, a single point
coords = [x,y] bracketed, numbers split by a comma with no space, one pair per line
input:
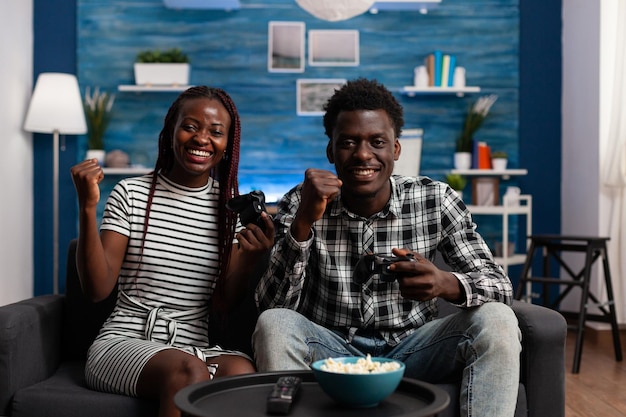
[358,390]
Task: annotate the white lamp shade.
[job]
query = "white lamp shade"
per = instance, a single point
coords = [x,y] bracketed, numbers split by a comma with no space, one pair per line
[56,105]
[335,10]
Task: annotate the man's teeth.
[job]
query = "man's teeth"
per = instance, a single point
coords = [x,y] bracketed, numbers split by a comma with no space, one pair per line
[363,171]
[196,152]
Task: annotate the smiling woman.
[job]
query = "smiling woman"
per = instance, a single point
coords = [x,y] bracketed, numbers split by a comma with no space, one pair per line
[170,246]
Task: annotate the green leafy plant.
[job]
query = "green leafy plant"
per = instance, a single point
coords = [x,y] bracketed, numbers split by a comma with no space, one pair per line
[172,56]
[98,106]
[498,154]
[473,120]
[456,181]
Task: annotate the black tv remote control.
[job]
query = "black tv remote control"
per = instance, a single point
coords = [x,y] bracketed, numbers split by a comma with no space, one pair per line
[283,394]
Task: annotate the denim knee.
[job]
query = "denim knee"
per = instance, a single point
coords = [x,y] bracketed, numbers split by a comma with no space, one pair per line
[278,340]
[497,324]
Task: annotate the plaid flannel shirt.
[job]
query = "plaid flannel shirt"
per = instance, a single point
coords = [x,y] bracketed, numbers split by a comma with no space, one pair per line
[315,277]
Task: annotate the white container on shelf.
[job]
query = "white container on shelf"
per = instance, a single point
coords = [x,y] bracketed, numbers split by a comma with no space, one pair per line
[161,73]
[462,160]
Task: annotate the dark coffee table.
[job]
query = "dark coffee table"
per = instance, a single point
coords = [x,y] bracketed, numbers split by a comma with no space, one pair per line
[245,396]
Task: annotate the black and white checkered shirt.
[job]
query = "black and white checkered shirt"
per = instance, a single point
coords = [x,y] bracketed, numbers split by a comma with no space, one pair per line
[315,277]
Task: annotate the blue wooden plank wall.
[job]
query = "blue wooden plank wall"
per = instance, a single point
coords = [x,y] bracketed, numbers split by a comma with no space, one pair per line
[229,49]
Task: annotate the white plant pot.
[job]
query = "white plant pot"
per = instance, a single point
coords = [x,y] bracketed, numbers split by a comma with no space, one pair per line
[162,74]
[499,164]
[462,160]
[98,154]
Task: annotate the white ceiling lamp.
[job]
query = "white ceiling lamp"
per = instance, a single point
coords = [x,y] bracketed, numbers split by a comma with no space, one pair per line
[335,10]
[202,4]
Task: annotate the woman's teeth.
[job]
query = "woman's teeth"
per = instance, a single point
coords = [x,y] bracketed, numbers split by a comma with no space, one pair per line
[196,152]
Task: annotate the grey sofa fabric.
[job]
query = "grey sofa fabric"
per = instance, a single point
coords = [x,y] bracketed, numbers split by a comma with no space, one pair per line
[43,342]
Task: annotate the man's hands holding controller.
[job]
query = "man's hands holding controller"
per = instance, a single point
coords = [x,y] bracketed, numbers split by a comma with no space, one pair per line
[420,280]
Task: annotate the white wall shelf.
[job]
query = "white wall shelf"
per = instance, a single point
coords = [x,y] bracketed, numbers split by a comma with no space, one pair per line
[153,88]
[412,91]
[126,171]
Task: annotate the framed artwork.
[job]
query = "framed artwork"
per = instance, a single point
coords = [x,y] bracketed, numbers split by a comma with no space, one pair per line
[285,47]
[485,191]
[334,48]
[313,93]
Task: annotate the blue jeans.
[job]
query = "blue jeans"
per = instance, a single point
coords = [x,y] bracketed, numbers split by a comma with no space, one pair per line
[479,347]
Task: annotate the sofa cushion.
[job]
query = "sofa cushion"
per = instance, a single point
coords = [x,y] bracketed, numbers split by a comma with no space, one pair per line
[82,318]
[65,394]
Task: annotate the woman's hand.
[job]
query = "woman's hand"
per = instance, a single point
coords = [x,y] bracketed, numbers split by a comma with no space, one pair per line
[253,241]
[87,176]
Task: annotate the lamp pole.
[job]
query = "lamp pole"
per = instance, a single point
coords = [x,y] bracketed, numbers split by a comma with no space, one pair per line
[55,211]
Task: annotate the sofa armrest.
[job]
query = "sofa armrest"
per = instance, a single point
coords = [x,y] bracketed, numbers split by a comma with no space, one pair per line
[30,344]
[543,358]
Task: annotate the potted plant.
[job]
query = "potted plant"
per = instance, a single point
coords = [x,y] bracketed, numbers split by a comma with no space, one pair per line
[499,160]
[457,182]
[473,120]
[168,67]
[98,106]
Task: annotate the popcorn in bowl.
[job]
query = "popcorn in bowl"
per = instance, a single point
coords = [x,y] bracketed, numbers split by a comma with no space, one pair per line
[361,366]
[358,381]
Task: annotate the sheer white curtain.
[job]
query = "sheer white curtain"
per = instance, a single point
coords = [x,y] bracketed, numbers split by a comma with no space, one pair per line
[614,163]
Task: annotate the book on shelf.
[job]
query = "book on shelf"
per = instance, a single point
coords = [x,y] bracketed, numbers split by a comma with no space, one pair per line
[438,66]
[445,70]
[430,66]
[452,68]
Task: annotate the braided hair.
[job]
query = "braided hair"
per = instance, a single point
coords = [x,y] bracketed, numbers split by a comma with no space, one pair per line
[225,172]
[362,94]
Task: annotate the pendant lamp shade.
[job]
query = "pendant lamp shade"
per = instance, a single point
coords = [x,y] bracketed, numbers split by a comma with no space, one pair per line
[56,105]
[335,10]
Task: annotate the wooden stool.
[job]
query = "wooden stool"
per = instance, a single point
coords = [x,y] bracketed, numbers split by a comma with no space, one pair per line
[553,246]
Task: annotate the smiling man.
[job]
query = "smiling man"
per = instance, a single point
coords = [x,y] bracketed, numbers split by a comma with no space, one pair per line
[313,304]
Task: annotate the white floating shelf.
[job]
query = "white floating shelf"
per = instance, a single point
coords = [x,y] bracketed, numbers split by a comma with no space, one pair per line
[459,91]
[153,88]
[126,171]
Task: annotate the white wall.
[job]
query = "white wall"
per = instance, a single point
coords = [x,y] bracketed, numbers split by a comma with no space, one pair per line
[16,157]
[587,78]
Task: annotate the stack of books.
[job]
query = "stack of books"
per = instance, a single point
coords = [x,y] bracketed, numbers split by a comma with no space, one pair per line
[481,157]
[440,68]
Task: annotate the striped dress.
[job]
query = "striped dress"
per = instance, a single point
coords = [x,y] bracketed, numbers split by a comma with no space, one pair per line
[163,296]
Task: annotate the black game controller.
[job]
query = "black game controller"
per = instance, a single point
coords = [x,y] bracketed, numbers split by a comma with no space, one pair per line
[372,264]
[249,206]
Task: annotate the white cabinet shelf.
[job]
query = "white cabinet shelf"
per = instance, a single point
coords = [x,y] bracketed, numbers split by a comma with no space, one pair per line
[153,88]
[522,205]
[505,174]
[459,91]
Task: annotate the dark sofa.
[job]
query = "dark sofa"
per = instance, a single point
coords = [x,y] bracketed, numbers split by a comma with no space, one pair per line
[43,342]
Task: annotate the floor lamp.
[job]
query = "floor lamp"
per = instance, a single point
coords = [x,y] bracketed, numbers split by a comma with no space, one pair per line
[56,107]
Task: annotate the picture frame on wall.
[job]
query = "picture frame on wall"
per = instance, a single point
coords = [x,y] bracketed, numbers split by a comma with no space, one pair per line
[313,93]
[334,48]
[285,46]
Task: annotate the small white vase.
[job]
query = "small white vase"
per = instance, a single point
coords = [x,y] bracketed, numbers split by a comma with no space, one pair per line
[462,160]
[98,154]
[499,164]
